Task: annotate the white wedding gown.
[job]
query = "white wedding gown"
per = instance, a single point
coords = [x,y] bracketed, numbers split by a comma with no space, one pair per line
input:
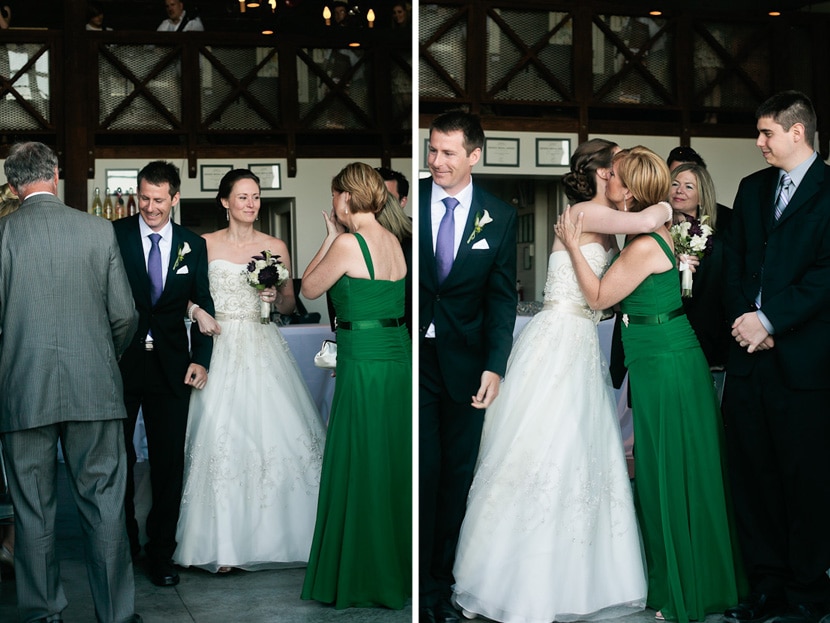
[254,445]
[550,531]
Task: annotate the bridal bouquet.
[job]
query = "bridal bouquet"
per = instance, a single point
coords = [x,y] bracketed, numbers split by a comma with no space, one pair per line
[264,271]
[691,237]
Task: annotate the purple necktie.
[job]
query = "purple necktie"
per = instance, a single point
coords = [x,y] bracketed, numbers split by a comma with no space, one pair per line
[154,268]
[445,243]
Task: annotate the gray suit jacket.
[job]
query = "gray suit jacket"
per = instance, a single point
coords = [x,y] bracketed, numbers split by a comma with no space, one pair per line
[66,315]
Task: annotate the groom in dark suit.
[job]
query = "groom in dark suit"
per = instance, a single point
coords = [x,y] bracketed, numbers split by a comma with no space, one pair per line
[167,267]
[66,314]
[466,317]
[777,393]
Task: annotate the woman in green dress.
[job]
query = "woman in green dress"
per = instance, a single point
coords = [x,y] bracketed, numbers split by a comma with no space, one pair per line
[680,496]
[361,554]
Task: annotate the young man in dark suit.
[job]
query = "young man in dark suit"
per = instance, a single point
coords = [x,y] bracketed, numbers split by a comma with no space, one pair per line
[167,267]
[466,317]
[777,257]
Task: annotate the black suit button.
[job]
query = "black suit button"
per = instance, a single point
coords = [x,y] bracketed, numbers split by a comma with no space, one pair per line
[437,297]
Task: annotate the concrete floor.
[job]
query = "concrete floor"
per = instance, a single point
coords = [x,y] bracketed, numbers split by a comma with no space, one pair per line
[200,597]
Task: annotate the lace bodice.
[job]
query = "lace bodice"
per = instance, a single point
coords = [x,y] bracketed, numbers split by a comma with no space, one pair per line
[233,297]
[561,286]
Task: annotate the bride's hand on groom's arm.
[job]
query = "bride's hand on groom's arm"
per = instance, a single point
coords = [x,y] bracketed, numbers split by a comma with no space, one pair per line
[490,382]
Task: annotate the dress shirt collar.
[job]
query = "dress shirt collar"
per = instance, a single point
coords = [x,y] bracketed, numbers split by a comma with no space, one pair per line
[166,231]
[798,173]
[465,197]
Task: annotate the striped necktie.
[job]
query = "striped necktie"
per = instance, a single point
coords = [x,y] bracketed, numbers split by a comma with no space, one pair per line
[783,196]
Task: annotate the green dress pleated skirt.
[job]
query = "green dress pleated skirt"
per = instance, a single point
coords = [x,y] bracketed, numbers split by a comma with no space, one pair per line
[361,554]
[681,494]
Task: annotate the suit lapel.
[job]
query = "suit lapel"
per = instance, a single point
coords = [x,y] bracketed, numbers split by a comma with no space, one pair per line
[463,248]
[137,265]
[808,187]
[175,242]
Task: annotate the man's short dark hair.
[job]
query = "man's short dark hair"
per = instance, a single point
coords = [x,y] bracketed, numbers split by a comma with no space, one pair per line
[390,175]
[467,122]
[790,107]
[160,171]
[683,155]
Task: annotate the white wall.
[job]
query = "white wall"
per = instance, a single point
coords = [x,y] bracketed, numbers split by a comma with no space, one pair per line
[311,189]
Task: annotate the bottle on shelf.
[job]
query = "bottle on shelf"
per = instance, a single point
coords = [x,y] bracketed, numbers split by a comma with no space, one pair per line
[97,208]
[108,208]
[132,210]
[120,208]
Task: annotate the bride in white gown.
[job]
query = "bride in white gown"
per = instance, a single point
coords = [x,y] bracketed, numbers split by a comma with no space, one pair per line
[255,441]
[550,532]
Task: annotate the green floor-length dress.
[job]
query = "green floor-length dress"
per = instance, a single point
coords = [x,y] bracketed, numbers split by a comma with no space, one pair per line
[361,554]
[680,496]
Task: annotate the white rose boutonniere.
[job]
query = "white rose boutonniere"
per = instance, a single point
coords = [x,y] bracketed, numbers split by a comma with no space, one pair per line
[184,249]
[482,219]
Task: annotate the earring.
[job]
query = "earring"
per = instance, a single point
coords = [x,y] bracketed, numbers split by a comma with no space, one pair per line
[625,205]
[227,214]
[346,210]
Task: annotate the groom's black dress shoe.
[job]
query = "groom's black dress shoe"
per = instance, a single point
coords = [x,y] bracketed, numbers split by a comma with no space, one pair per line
[448,614]
[803,613]
[162,573]
[427,615]
[756,608]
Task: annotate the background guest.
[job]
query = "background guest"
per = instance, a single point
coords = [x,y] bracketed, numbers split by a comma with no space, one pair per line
[402,16]
[467,313]
[396,184]
[167,268]
[95,17]
[393,218]
[53,336]
[681,155]
[680,495]
[235,450]
[693,196]
[362,550]
[8,204]
[178,20]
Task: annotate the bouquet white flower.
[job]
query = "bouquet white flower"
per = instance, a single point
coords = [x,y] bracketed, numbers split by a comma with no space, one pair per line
[264,271]
[691,237]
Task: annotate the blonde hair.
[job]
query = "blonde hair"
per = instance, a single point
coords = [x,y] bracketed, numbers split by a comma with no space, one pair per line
[645,174]
[393,218]
[707,204]
[9,202]
[364,184]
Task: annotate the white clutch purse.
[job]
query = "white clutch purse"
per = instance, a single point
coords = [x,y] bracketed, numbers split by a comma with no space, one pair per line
[327,357]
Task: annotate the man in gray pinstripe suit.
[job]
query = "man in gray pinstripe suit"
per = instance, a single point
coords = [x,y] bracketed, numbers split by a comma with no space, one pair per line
[66,315]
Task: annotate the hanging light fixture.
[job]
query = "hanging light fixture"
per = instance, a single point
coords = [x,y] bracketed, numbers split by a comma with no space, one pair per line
[327,15]
[370,17]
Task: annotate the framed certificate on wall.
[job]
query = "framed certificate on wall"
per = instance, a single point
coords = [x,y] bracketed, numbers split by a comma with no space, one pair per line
[212,174]
[268,174]
[501,152]
[553,152]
